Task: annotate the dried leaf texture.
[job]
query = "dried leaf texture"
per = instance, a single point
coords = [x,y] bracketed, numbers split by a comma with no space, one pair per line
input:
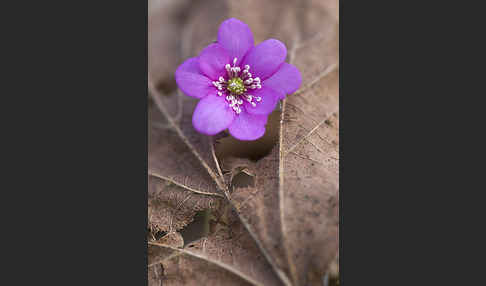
[229,256]
[188,158]
[183,157]
[170,207]
[309,179]
[293,207]
[156,255]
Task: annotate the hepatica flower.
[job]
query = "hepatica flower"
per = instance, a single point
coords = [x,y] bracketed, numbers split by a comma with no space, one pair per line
[239,84]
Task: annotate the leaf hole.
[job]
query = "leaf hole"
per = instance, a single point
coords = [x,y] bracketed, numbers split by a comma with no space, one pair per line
[158,235]
[243,180]
[252,150]
[196,229]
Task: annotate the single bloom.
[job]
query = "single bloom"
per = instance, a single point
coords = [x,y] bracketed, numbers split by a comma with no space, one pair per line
[239,84]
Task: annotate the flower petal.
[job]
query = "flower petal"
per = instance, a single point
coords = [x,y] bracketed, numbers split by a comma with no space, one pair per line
[212,115]
[212,61]
[268,102]
[265,58]
[286,80]
[236,37]
[191,81]
[246,126]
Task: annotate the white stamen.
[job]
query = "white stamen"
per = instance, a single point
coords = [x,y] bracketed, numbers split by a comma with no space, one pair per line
[234,71]
[235,101]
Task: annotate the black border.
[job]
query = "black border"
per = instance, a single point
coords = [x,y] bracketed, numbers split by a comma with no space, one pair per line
[77,177]
[395,171]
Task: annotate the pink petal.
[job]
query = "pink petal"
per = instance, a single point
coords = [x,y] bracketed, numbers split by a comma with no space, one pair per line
[212,115]
[268,102]
[236,37]
[286,80]
[191,81]
[212,61]
[265,58]
[246,126]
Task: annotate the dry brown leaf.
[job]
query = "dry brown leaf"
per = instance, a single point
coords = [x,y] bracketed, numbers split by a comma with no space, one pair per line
[170,207]
[291,211]
[229,256]
[182,157]
[156,255]
[293,207]
[187,156]
[179,183]
[183,173]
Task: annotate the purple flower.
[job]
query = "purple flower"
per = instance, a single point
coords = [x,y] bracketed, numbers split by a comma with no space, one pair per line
[239,84]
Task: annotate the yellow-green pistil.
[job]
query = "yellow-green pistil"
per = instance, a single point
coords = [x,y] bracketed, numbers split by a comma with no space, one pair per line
[236,86]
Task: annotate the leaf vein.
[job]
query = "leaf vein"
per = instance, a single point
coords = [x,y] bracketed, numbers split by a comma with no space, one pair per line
[183,186]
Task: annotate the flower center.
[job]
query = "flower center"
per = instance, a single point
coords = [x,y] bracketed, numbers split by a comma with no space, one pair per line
[237,86]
